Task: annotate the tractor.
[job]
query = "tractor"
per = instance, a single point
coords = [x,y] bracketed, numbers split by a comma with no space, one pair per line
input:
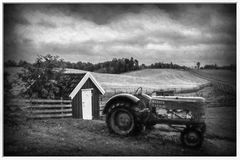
[129,114]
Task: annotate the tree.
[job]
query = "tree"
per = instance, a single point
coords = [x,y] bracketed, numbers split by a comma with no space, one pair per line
[41,78]
[10,63]
[198,65]
[7,87]
[131,65]
[143,66]
[22,63]
[136,67]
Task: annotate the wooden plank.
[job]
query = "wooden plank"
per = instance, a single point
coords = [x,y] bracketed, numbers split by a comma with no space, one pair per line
[50,116]
[51,106]
[73,109]
[77,105]
[96,104]
[24,101]
[52,111]
[47,101]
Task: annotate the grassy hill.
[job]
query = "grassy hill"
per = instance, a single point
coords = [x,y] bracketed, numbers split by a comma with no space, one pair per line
[149,79]
[226,76]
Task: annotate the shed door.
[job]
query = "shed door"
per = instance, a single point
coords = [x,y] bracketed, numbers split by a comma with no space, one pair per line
[87,103]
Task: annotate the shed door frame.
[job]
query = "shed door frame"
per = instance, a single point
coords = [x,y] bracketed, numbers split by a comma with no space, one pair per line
[87,103]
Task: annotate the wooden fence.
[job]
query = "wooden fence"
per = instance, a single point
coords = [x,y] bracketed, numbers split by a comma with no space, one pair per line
[45,108]
[41,108]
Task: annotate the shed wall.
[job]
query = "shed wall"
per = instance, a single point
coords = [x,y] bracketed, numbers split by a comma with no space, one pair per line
[77,101]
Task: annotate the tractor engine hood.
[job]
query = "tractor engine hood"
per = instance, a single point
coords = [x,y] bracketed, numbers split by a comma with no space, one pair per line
[195,105]
[178,99]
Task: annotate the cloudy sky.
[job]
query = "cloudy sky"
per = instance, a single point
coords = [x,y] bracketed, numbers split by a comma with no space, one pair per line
[178,33]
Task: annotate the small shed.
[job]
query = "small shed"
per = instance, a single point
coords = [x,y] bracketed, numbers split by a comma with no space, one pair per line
[85,97]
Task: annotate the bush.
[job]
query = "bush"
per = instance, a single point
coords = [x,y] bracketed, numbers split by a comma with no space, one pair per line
[41,77]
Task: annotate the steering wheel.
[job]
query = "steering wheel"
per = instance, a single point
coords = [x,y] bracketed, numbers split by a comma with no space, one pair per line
[138,91]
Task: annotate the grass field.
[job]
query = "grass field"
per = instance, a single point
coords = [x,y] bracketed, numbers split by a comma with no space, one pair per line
[148,79]
[220,74]
[75,137]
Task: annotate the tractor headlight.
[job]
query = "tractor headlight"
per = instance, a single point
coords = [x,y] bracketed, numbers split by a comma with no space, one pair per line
[189,115]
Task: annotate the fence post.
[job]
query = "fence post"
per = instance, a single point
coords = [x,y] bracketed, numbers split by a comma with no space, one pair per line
[31,106]
[62,106]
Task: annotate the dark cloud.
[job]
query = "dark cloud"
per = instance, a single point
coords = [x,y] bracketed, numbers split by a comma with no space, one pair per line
[218,18]
[12,17]
[71,48]
[99,13]
[208,29]
[47,24]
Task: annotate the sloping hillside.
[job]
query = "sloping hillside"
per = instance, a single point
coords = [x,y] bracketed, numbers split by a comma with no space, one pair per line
[149,79]
[226,76]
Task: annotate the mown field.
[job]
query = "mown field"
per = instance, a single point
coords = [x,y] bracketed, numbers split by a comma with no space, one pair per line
[81,137]
[220,74]
[148,79]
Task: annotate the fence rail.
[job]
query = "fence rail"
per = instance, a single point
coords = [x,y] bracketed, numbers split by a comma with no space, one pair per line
[47,101]
[40,101]
[45,108]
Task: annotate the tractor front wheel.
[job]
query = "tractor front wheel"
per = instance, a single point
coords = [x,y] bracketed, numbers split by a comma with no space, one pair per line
[191,137]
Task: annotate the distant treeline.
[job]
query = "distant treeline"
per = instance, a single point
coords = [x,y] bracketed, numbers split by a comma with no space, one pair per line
[115,66]
[166,65]
[215,66]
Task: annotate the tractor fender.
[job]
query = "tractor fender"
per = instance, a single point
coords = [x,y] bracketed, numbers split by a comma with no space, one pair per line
[123,96]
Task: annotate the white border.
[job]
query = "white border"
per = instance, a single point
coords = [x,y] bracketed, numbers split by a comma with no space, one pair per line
[122,1]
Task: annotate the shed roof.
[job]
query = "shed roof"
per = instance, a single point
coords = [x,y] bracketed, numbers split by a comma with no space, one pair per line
[70,81]
[85,77]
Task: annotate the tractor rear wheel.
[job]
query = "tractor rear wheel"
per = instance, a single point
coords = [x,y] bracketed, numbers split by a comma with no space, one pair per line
[121,120]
